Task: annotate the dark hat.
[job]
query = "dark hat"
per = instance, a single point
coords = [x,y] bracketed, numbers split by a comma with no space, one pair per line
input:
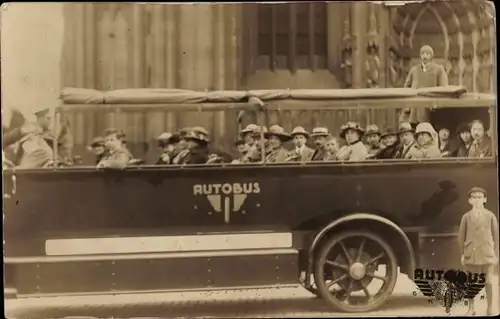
[372,129]
[476,189]
[405,127]
[462,128]
[351,126]
[184,131]
[168,138]
[389,131]
[279,132]
[98,141]
[198,133]
[239,142]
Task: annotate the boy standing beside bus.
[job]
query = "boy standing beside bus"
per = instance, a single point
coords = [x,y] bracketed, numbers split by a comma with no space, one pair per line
[478,243]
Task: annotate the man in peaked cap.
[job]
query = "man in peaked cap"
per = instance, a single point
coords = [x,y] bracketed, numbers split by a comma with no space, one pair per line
[426,74]
[62,136]
[478,242]
[301,153]
[167,142]
[320,136]
[407,138]
[372,140]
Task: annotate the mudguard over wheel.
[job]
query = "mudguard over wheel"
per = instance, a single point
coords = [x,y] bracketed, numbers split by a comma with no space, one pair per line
[345,271]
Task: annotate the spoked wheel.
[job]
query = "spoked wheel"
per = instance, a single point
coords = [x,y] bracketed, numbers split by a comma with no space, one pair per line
[345,271]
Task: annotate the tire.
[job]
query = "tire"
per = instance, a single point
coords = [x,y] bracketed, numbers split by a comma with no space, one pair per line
[357,272]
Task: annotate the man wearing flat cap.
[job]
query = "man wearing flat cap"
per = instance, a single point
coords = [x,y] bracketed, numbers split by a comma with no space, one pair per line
[167,143]
[320,136]
[478,242]
[181,150]
[426,74]
[407,138]
[372,140]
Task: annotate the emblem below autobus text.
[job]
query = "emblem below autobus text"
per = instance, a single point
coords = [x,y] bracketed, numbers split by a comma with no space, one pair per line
[227,197]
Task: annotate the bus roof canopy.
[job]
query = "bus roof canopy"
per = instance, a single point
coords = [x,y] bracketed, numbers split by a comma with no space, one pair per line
[177,99]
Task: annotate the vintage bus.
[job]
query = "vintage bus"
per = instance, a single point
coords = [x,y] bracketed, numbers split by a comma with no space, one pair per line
[343,230]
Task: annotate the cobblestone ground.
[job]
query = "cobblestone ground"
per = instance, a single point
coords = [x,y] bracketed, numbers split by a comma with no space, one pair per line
[263,303]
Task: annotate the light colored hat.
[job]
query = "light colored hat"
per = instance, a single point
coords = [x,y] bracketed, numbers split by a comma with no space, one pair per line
[372,129]
[250,128]
[476,189]
[278,131]
[425,127]
[351,126]
[198,133]
[165,136]
[320,131]
[299,130]
[42,111]
[427,48]
[405,127]
[259,129]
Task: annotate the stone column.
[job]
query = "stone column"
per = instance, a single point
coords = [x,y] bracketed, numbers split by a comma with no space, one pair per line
[359,19]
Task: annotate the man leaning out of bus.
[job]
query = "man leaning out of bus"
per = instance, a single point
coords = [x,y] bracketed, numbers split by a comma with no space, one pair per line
[427,142]
[482,145]
[355,150]
[478,243]
[117,156]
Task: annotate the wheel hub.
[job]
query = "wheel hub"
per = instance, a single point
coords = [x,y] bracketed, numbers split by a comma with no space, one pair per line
[357,271]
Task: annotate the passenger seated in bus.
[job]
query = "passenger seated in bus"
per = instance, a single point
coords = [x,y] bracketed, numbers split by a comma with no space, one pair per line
[427,142]
[242,149]
[247,134]
[446,145]
[407,137]
[62,136]
[319,136]
[482,145]
[355,150]
[276,137]
[372,140]
[181,149]
[301,152]
[219,156]
[332,147]
[116,156]
[34,152]
[464,140]
[254,154]
[390,144]
[197,141]
[167,142]
[98,148]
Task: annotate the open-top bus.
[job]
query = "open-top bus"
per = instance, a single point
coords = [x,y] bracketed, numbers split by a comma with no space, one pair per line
[336,228]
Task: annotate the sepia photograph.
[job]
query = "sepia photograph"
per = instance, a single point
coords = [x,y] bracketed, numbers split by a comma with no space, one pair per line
[249,160]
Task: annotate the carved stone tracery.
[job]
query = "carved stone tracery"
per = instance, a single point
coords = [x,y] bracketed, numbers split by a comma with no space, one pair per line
[347,52]
[373,58]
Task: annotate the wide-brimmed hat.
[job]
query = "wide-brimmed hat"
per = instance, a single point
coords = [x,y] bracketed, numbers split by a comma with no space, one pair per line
[198,133]
[250,128]
[258,130]
[372,129]
[476,189]
[320,131]
[351,126]
[299,130]
[279,132]
[98,141]
[463,128]
[405,127]
[389,131]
